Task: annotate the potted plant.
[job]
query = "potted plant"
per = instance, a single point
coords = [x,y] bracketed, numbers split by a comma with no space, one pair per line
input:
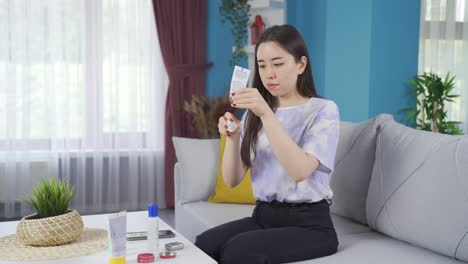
[53,223]
[237,12]
[432,93]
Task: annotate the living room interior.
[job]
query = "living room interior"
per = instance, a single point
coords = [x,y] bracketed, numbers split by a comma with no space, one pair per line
[121,99]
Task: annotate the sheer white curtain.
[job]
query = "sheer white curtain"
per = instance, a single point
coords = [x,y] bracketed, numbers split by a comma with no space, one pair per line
[443,47]
[82,94]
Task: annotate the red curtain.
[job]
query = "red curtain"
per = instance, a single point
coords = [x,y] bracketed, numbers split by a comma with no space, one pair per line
[181,26]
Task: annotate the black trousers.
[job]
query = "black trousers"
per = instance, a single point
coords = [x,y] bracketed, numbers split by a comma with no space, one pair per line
[276,233]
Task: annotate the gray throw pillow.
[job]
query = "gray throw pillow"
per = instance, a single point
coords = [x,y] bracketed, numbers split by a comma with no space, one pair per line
[353,167]
[419,189]
[198,161]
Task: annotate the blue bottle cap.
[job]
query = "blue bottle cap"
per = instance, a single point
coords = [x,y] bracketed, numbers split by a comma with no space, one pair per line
[152,210]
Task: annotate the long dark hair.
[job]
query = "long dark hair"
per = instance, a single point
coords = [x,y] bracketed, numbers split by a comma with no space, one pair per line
[287,37]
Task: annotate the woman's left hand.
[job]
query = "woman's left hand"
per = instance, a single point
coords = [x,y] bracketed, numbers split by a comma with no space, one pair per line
[250,98]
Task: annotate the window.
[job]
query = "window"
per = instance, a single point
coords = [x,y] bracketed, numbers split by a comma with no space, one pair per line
[436,10]
[82,71]
[443,48]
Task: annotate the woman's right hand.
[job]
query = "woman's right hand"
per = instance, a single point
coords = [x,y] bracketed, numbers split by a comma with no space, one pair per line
[223,124]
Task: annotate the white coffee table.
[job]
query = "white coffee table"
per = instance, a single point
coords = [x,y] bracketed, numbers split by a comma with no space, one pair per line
[136,221]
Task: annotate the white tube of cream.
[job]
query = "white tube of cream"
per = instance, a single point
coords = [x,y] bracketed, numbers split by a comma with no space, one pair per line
[117,239]
[240,78]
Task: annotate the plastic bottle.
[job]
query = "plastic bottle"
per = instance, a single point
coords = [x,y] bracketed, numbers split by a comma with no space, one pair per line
[153,229]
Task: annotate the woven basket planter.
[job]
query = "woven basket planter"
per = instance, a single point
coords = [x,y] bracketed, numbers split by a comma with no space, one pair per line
[50,231]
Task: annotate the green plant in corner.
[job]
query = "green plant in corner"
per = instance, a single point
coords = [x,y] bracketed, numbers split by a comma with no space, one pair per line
[237,12]
[51,197]
[432,93]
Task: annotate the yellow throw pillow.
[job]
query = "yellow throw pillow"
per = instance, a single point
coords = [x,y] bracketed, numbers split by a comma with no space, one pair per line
[241,194]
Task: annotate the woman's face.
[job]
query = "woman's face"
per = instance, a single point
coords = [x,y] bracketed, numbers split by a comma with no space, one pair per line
[278,69]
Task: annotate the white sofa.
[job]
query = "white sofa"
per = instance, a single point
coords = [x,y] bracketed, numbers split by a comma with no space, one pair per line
[400,194]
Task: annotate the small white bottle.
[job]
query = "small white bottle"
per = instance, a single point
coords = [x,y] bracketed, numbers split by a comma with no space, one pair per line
[231,126]
[153,229]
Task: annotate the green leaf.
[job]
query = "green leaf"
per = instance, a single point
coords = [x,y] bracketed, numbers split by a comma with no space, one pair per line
[237,13]
[409,116]
[406,109]
[427,89]
[51,198]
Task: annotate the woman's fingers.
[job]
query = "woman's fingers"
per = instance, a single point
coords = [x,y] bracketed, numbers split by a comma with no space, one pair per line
[250,105]
[243,93]
[247,93]
[251,99]
[245,100]
[223,124]
[244,90]
[223,130]
[229,116]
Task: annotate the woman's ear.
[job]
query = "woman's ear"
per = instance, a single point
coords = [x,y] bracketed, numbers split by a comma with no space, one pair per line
[301,65]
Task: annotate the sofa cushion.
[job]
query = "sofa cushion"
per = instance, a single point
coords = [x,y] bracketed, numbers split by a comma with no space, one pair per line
[208,215]
[419,189]
[353,167]
[373,247]
[345,226]
[192,156]
[212,214]
[357,243]
[194,218]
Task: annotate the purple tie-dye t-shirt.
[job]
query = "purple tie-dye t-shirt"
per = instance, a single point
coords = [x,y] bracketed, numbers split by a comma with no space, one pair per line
[314,127]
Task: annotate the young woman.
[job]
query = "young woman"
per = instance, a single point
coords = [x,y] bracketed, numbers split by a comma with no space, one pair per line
[288,138]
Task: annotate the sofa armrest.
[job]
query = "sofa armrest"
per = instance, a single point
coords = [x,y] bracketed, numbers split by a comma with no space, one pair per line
[196,169]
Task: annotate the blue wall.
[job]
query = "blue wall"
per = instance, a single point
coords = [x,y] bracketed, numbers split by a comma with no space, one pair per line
[347,68]
[394,55]
[362,51]
[219,50]
[311,24]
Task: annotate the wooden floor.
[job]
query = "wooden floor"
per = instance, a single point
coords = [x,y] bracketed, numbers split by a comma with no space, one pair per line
[167,215]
